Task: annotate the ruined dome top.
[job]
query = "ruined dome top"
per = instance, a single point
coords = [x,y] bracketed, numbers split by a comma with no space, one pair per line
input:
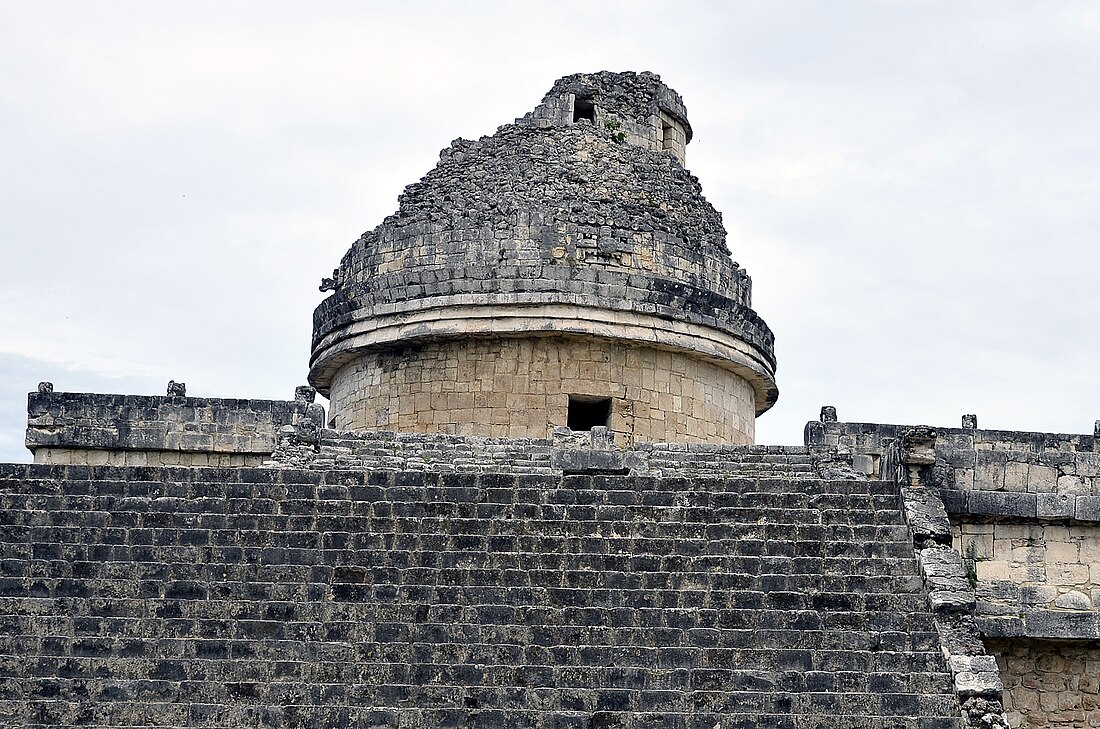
[582,203]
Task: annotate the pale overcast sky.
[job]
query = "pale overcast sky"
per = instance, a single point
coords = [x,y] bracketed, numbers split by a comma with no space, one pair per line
[913,186]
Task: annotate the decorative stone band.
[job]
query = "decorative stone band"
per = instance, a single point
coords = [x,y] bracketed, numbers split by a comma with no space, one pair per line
[447,319]
[1013,504]
[671,299]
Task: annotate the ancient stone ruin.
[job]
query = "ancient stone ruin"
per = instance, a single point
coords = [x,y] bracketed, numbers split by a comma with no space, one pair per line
[536,501]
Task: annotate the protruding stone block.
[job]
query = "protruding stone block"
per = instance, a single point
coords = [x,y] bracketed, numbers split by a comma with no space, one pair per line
[1087,508]
[828,413]
[45,387]
[970,422]
[918,446]
[177,389]
[1073,600]
[976,676]
[926,516]
[305,394]
[1055,506]
[948,585]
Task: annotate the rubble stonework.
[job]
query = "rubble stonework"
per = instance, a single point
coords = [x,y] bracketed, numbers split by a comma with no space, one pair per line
[1055,686]
[524,250]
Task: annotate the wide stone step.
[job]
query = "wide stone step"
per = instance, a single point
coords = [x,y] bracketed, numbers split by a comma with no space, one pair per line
[531,703]
[647,554]
[851,524]
[61,714]
[720,591]
[249,482]
[259,564]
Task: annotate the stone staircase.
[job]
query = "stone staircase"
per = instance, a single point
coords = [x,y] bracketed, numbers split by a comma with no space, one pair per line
[284,598]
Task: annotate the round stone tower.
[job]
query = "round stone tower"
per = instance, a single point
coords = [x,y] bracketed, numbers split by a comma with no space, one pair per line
[565,271]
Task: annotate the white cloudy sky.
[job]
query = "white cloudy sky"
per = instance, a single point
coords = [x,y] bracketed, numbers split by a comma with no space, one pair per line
[914,186]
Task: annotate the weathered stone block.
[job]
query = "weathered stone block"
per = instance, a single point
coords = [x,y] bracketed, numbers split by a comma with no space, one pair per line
[1074,485]
[1062,625]
[1087,508]
[1073,600]
[1001,503]
[1055,506]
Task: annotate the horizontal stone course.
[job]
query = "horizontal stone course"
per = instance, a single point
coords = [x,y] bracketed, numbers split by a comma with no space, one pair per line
[384,451]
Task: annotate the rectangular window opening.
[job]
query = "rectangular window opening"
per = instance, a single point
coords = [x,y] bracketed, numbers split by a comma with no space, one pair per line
[586,412]
[583,108]
[667,141]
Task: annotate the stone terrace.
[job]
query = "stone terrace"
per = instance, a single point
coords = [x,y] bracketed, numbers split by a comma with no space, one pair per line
[194,597]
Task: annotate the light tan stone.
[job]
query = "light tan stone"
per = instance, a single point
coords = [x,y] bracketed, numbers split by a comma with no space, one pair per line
[994,570]
[1062,552]
[672,396]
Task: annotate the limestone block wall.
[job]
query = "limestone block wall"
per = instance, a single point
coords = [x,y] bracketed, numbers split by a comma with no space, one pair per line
[1049,684]
[564,452]
[520,388]
[982,460]
[117,457]
[1025,509]
[1029,565]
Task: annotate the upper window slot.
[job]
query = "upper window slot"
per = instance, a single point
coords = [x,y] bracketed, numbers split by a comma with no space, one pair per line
[583,108]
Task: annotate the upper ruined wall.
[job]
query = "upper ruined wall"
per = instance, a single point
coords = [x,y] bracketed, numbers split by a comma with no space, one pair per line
[645,111]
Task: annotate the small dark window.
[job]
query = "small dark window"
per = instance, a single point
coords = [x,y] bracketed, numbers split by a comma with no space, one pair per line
[585,413]
[583,108]
[666,136]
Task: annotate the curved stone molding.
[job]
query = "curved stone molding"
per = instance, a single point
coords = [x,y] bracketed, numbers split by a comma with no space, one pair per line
[457,321]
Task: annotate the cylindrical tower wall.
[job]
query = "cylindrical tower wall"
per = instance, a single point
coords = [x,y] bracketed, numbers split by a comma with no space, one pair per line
[522,388]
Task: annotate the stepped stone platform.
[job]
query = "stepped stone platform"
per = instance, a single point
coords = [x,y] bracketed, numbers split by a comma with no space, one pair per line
[758,595]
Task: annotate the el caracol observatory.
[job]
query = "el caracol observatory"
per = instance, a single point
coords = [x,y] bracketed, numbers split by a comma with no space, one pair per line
[536,503]
[565,271]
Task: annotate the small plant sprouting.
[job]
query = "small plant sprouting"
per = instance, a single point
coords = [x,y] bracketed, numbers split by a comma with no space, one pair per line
[613,126]
[970,562]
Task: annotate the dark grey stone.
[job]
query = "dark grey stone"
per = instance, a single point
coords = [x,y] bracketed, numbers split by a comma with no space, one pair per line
[1087,508]
[1055,506]
[1062,625]
[1001,503]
